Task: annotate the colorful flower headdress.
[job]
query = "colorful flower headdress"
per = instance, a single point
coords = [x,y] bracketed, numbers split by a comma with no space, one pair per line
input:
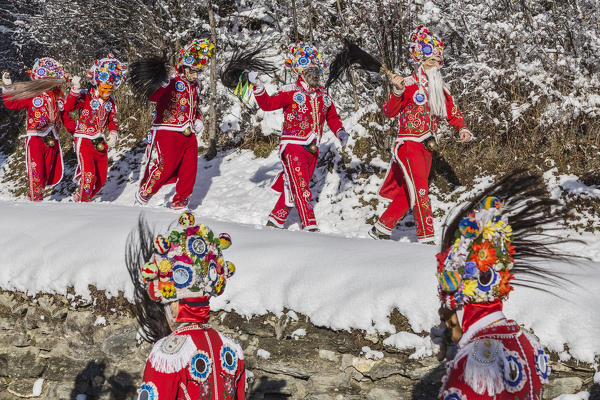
[46,67]
[196,53]
[187,263]
[477,267]
[303,55]
[107,70]
[424,44]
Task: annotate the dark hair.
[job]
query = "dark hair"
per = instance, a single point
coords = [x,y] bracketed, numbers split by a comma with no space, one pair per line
[148,313]
[530,209]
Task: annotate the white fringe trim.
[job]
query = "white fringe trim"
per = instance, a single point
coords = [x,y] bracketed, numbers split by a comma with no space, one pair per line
[484,369]
[182,353]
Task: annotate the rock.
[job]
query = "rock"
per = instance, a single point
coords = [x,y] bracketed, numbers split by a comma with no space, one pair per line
[383,394]
[31,319]
[80,322]
[363,365]
[373,338]
[385,369]
[329,355]
[327,382]
[21,339]
[23,387]
[22,363]
[558,386]
[62,366]
[117,346]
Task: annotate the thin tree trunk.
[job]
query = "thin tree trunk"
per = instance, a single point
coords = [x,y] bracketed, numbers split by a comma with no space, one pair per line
[350,71]
[310,21]
[295,20]
[212,123]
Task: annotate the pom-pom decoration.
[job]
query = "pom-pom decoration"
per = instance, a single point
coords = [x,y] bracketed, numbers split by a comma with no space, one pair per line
[161,244]
[469,227]
[225,240]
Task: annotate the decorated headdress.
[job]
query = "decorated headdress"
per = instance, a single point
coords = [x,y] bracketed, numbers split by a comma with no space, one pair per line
[187,263]
[303,55]
[497,241]
[196,53]
[107,70]
[46,67]
[424,44]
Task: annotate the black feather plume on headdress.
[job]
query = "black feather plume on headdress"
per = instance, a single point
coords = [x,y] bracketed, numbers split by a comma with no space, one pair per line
[147,75]
[352,54]
[533,216]
[244,61]
[149,314]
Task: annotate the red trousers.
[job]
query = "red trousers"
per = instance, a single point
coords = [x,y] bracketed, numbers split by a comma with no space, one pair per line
[44,166]
[298,168]
[172,157]
[91,170]
[406,184]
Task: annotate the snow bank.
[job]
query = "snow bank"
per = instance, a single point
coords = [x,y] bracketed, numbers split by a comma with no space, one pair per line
[337,282]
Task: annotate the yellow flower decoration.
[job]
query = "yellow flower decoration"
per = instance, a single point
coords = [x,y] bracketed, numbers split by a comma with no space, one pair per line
[456,243]
[203,230]
[164,266]
[470,286]
[168,291]
[489,231]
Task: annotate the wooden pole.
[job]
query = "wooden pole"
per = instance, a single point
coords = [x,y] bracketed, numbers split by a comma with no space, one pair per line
[212,123]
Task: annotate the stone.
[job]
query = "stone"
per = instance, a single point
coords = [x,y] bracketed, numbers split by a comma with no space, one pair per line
[327,381]
[385,369]
[62,366]
[566,385]
[329,355]
[119,345]
[22,363]
[373,338]
[80,322]
[23,387]
[383,394]
[363,365]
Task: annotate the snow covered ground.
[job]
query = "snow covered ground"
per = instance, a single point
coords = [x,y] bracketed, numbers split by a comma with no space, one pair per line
[336,281]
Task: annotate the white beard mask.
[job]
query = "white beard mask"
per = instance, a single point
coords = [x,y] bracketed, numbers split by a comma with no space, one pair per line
[437,99]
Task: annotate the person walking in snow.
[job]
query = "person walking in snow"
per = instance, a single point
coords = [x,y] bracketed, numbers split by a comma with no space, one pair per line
[174,276]
[45,116]
[490,242]
[421,101]
[97,114]
[306,107]
[172,153]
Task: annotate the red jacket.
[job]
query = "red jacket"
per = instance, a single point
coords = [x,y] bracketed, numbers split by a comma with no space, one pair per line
[177,105]
[415,122]
[96,115]
[496,360]
[195,362]
[45,112]
[305,111]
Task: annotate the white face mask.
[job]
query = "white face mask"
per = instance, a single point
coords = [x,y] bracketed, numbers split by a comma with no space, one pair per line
[435,91]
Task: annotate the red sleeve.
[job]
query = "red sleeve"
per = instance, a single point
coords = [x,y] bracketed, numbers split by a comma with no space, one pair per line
[454,118]
[333,120]
[162,385]
[160,92]
[68,122]
[73,101]
[241,381]
[12,104]
[395,104]
[275,102]
[113,122]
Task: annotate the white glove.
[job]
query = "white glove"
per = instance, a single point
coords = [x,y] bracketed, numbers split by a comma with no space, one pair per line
[6,79]
[253,76]
[76,83]
[198,126]
[255,80]
[343,137]
[112,140]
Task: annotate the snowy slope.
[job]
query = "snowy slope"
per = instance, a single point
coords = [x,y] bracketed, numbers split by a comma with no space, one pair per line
[335,281]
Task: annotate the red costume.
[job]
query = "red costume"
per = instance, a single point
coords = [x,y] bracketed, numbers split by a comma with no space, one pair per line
[95,118]
[305,111]
[172,152]
[194,362]
[406,182]
[496,359]
[43,155]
